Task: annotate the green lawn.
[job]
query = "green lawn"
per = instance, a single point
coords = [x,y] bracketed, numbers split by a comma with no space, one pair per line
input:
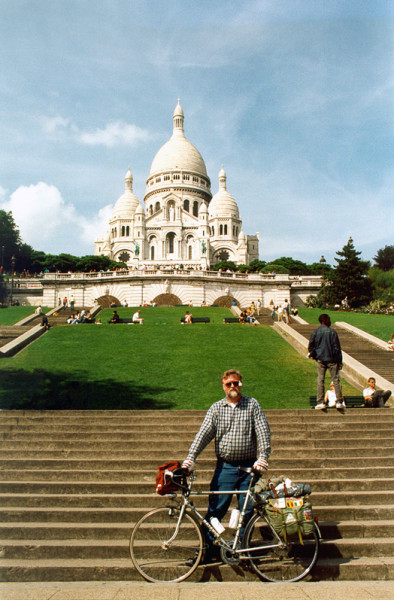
[13,314]
[161,364]
[381,326]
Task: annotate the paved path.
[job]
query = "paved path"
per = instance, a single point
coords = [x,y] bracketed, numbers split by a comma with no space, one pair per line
[338,590]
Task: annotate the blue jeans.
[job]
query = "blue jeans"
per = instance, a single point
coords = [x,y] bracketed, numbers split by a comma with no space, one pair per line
[228,477]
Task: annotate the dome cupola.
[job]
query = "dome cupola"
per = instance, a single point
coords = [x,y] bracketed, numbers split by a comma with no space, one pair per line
[126,205]
[178,153]
[222,203]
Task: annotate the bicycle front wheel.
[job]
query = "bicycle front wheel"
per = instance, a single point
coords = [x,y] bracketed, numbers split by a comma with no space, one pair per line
[164,550]
[279,561]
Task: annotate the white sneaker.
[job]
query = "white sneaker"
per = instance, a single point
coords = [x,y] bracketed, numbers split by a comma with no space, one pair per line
[321,406]
[340,407]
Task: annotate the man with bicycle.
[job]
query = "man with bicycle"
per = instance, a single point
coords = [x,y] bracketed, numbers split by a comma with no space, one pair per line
[242,439]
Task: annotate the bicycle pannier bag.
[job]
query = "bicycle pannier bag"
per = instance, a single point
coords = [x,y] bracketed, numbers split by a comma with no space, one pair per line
[291,516]
[164,483]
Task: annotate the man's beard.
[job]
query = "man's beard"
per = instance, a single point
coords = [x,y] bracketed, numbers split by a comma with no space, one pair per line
[233,394]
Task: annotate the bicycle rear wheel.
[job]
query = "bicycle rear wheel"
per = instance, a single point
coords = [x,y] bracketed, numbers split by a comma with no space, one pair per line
[290,561]
[159,552]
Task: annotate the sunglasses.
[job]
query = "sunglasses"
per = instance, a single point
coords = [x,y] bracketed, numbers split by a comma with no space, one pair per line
[230,383]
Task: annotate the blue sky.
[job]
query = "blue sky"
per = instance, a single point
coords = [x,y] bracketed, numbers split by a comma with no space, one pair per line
[294,98]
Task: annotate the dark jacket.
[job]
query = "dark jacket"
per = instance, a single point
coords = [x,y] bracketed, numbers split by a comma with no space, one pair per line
[324,345]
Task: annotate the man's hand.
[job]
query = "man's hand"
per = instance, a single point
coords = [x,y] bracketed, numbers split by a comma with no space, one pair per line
[261,465]
[188,464]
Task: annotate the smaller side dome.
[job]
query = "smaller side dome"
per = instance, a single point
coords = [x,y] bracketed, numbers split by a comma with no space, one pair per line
[223,203]
[126,205]
[140,210]
[203,208]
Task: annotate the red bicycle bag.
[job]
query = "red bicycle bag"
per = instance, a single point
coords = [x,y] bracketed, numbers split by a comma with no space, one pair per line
[164,483]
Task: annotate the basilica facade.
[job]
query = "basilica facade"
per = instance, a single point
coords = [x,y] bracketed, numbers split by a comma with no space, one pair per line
[181,223]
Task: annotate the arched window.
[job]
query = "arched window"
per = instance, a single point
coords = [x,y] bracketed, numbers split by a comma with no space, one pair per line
[151,210]
[220,229]
[170,242]
[152,253]
[127,230]
[195,208]
[186,205]
[122,230]
[157,206]
[213,231]
[225,230]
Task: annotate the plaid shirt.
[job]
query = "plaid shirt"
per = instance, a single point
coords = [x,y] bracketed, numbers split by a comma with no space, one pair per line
[239,432]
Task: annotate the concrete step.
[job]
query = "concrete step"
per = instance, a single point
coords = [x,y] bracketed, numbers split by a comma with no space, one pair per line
[364,568]
[142,482]
[344,459]
[136,471]
[348,510]
[362,447]
[119,548]
[74,483]
[335,522]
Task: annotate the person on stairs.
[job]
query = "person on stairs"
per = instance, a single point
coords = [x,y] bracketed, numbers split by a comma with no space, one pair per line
[325,348]
[375,398]
[242,437]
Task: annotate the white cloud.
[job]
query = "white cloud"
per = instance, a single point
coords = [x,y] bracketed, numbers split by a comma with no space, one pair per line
[97,225]
[47,222]
[52,125]
[113,134]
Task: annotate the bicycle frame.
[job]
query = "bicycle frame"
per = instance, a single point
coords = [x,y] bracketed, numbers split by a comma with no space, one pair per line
[186,504]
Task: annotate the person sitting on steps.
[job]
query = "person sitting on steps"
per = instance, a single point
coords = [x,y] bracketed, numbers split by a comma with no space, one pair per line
[375,398]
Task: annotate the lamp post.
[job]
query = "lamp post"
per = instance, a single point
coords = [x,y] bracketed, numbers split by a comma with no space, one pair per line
[12,274]
[323,262]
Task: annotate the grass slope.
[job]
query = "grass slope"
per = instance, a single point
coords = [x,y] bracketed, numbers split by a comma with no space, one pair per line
[160,364]
[13,314]
[381,326]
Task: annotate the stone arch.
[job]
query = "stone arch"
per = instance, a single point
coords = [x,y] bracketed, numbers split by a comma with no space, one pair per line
[107,300]
[167,300]
[225,301]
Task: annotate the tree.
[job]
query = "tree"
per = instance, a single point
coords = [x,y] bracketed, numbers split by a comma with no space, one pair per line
[224,265]
[382,285]
[292,266]
[256,265]
[349,278]
[278,268]
[10,239]
[384,258]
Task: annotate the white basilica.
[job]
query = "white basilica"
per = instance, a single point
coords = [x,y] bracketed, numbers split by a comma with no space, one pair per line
[182,223]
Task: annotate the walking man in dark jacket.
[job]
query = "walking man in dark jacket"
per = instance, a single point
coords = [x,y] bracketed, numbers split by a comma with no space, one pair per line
[325,348]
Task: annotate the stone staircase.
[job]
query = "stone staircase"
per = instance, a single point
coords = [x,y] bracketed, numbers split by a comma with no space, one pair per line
[367,353]
[74,483]
[11,332]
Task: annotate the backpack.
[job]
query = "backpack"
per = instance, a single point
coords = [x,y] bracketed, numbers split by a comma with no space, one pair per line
[164,483]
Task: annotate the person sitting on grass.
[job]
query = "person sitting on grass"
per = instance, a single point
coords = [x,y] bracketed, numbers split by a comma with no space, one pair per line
[390,343]
[115,318]
[242,317]
[375,398]
[137,318]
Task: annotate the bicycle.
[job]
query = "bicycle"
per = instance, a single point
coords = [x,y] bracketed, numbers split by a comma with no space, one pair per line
[165,539]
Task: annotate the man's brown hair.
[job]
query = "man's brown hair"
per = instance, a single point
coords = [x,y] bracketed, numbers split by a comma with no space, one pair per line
[231,372]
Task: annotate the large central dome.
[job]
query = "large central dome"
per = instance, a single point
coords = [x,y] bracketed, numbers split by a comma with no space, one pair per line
[178,153]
